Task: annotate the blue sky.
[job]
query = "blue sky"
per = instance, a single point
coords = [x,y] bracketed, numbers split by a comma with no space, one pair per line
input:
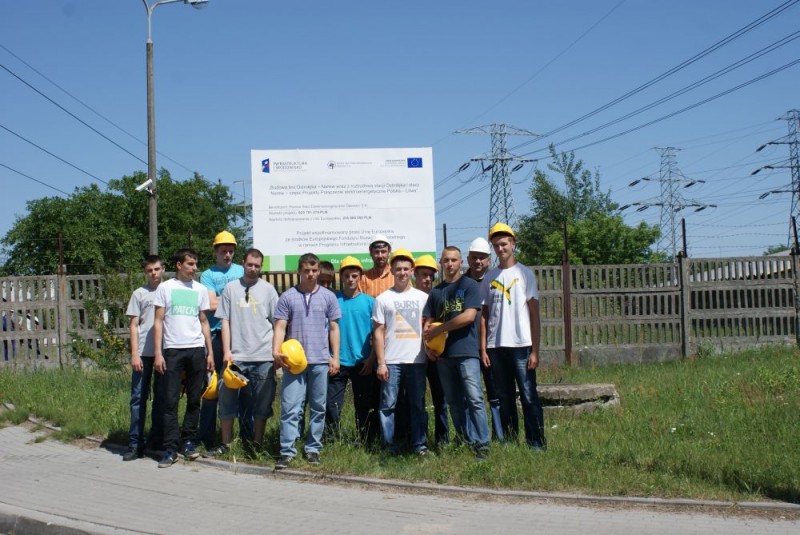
[255,74]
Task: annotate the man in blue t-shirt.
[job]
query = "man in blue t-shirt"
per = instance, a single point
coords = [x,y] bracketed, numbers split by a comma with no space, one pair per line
[455,303]
[355,330]
[215,279]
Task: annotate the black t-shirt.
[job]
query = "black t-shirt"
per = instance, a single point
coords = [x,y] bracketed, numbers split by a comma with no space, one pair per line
[446,301]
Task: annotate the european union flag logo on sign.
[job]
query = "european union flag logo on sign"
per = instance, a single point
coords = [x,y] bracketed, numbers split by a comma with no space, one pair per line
[265,166]
[415,163]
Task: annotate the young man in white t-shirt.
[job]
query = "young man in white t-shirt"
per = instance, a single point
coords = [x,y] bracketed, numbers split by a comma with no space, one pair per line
[182,344]
[397,319]
[510,335]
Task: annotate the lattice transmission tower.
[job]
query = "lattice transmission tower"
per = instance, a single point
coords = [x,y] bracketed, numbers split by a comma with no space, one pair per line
[792,117]
[670,200]
[501,199]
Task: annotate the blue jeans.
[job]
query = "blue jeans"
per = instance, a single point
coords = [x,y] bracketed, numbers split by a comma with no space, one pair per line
[412,377]
[208,407]
[140,393]
[312,384]
[461,381]
[256,398]
[511,365]
[494,405]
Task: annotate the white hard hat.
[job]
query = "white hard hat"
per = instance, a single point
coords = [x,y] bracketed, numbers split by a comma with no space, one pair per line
[479,245]
[379,238]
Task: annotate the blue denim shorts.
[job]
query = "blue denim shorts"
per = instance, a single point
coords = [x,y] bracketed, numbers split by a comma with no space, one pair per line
[260,391]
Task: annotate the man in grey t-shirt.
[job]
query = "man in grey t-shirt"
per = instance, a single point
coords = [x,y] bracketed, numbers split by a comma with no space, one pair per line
[246,309]
[141,313]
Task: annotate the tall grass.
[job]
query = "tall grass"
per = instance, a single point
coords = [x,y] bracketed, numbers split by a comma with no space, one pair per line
[716,428]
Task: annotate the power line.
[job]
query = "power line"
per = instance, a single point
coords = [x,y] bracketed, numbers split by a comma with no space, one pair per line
[59,158]
[34,179]
[85,105]
[719,44]
[682,110]
[65,110]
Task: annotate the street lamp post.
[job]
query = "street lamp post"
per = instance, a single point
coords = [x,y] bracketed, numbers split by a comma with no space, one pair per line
[151,121]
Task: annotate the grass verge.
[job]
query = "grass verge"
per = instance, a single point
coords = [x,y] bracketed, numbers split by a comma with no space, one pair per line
[713,428]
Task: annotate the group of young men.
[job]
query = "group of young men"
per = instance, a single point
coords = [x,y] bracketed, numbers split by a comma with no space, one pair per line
[374,333]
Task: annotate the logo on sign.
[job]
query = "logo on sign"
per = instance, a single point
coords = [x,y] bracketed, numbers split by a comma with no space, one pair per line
[265,166]
[415,163]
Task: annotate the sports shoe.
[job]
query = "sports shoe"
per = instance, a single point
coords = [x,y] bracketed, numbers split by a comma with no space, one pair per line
[481,454]
[422,452]
[283,462]
[170,458]
[222,449]
[189,451]
[312,458]
[132,454]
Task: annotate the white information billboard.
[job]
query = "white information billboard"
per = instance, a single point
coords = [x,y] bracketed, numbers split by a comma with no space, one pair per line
[331,202]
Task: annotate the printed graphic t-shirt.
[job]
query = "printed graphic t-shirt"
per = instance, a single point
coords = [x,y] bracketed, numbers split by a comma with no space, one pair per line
[446,301]
[506,293]
[401,313]
[182,302]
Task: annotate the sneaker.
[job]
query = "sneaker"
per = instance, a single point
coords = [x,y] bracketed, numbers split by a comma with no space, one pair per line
[283,462]
[422,453]
[189,451]
[132,454]
[312,458]
[481,454]
[170,458]
[222,449]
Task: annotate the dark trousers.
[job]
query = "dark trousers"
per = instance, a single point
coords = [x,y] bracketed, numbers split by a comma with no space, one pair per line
[441,427]
[365,390]
[192,361]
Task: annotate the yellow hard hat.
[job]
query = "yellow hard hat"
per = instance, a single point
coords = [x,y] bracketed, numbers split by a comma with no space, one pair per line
[233,377]
[350,262]
[436,345]
[427,261]
[295,355]
[402,253]
[212,386]
[501,228]
[224,238]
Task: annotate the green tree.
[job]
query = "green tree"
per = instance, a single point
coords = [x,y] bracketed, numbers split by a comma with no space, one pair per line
[107,231]
[772,249]
[597,233]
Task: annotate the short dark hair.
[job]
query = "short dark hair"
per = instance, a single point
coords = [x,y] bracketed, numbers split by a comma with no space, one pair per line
[253,252]
[326,268]
[452,249]
[181,254]
[308,258]
[151,259]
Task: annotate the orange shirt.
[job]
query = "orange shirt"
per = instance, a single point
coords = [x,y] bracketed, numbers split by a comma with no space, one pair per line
[375,283]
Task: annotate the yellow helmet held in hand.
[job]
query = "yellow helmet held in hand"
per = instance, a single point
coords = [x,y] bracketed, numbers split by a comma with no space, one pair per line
[501,228]
[233,377]
[427,261]
[436,344]
[224,238]
[211,391]
[295,356]
[350,262]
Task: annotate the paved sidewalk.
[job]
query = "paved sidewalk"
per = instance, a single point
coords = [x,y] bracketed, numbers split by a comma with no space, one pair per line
[92,490]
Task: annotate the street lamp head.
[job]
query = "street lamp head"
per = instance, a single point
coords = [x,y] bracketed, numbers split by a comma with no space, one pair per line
[197,4]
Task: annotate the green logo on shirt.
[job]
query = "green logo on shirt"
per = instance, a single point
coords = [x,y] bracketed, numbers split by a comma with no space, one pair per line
[184,303]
